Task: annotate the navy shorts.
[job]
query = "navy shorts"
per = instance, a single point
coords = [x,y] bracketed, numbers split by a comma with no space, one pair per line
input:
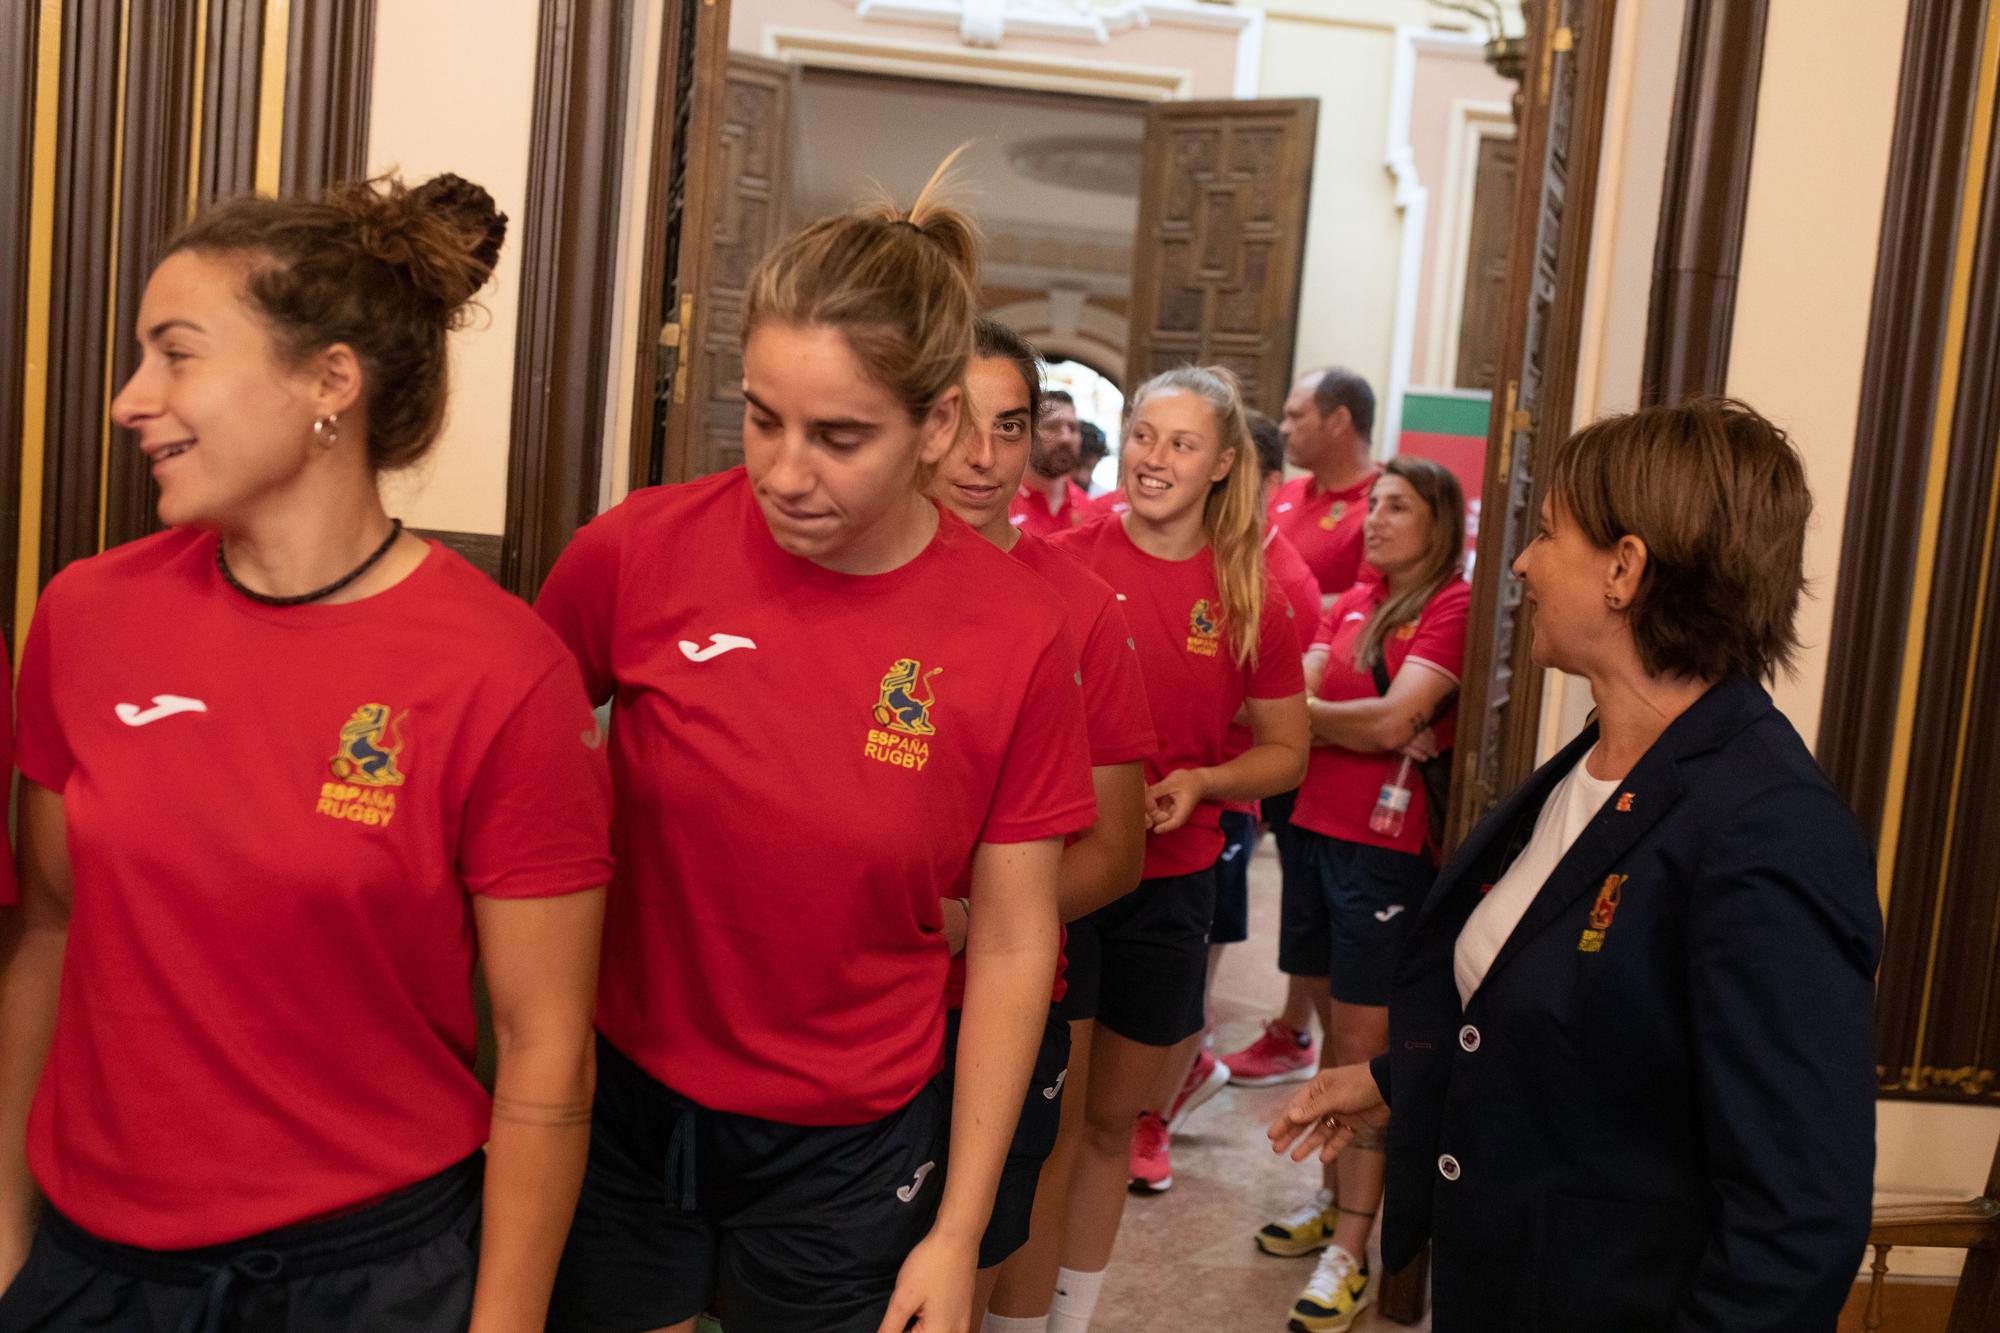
[1231,923]
[1034,1137]
[769,1226]
[1348,920]
[404,1264]
[1138,965]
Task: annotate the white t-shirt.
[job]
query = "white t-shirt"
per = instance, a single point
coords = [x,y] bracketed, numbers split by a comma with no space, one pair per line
[1574,802]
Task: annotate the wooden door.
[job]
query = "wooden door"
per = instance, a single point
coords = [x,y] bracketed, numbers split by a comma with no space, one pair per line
[751,181]
[1221,240]
[680,208]
[1480,315]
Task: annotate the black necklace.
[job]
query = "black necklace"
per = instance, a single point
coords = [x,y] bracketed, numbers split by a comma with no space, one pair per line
[222,567]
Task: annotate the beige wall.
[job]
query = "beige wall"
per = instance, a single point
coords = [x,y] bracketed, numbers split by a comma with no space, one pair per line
[1824,117]
[453,91]
[1343,53]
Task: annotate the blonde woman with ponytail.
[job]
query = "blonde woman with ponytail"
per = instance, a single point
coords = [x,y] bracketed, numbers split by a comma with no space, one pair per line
[836,707]
[1187,561]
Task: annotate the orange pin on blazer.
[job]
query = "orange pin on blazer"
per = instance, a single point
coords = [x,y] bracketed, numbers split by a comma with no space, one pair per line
[1601,914]
[1625,803]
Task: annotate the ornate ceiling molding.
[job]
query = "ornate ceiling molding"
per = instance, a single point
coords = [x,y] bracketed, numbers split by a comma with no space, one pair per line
[988,23]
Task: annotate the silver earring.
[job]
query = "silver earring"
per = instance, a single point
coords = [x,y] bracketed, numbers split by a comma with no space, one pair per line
[326,430]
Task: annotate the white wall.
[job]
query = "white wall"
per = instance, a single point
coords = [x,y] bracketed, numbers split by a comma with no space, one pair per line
[453,91]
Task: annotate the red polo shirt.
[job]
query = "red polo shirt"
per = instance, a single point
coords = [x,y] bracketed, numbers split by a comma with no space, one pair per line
[1325,526]
[1341,785]
[1286,572]
[805,761]
[1029,509]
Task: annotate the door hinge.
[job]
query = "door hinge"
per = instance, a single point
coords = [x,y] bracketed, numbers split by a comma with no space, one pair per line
[682,330]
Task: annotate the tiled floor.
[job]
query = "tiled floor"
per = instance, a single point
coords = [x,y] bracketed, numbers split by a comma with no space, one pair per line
[1185,1262]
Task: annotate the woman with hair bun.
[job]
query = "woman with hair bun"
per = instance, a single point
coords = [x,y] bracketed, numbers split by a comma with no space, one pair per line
[287,770]
[834,704]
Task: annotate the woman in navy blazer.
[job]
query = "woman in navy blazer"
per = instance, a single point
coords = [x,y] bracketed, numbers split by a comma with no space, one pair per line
[1631,1037]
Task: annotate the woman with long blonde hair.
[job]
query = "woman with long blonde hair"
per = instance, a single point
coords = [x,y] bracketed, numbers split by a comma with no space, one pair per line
[1187,560]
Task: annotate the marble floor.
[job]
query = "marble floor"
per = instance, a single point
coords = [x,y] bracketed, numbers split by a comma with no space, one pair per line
[1185,1261]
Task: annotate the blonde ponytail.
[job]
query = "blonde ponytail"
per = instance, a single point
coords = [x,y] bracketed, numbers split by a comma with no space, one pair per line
[1232,516]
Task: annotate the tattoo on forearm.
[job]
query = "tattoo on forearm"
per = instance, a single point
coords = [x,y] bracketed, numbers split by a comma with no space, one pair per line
[550,1115]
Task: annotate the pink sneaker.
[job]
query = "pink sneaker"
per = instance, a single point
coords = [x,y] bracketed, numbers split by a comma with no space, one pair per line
[1152,1169]
[1205,1077]
[1280,1055]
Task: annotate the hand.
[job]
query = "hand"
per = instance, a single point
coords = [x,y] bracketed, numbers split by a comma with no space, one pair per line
[956,923]
[934,1288]
[1326,1113]
[1171,801]
[1423,746]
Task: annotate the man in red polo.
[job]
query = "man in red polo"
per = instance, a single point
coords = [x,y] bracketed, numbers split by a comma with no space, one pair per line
[1328,422]
[1048,501]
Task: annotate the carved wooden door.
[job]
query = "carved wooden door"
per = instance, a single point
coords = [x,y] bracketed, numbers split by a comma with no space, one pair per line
[753,165]
[1221,240]
[1479,317]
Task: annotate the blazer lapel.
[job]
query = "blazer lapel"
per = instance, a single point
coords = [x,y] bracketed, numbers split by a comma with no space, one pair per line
[1485,841]
[1648,792]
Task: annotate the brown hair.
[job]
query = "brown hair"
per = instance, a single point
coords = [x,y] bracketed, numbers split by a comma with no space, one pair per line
[385,269]
[1232,516]
[896,283]
[994,339]
[1718,495]
[1444,553]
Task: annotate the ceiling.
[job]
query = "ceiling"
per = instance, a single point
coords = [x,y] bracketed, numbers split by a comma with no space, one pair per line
[857,132]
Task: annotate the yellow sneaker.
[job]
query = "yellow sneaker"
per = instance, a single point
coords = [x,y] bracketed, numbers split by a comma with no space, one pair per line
[1301,1231]
[1337,1293]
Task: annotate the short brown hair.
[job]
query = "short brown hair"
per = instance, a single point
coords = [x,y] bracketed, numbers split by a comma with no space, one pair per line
[385,269]
[1718,495]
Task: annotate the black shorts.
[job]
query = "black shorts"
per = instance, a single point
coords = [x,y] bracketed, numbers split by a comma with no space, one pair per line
[769,1226]
[1231,922]
[1354,906]
[403,1265]
[1138,965]
[1034,1137]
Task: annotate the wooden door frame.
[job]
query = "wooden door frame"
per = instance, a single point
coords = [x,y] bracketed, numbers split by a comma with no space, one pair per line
[1500,702]
[569,269]
[694,60]
[1704,198]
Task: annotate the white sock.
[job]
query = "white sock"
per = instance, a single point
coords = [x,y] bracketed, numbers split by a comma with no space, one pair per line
[1001,1323]
[1075,1301]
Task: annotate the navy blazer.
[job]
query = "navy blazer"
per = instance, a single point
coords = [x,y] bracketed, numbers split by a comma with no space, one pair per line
[1658,1111]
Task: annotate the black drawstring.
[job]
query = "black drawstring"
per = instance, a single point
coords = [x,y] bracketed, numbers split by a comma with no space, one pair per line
[205,1315]
[680,1162]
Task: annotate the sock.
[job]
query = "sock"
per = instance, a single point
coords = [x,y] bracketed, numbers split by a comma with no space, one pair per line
[1075,1301]
[1000,1323]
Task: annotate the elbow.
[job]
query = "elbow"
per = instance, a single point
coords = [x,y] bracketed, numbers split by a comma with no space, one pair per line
[1296,757]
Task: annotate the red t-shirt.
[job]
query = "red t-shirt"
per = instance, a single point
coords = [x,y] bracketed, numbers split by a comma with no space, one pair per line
[1193,683]
[1113,501]
[1325,526]
[1115,716]
[1029,509]
[1341,785]
[1285,571]
[805,761]
[277,817]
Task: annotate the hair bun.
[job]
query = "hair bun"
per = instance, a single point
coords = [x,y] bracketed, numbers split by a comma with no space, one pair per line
[445,234]
[935,219]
